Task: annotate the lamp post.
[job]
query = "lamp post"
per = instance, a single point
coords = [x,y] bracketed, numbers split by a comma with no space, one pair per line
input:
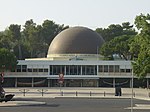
[132,91]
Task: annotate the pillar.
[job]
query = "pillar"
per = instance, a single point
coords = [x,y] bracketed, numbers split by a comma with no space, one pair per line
[97,82]
[114,83]
[131,83]
[16,82]
[32,82]
[48,82]
[147,83]
[97,70]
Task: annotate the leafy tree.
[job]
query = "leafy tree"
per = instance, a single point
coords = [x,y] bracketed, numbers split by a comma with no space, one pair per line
[141,65]
[30,37]
[14,32]
[142,23]
[116,30]
[117,46]
[49,30]
[5,41]
[8,60]
[37,38]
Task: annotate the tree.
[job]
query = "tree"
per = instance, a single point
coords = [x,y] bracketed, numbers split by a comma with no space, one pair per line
[110,32]
[8,60]
[141,65]
[117,46]
[14,32]
[49,30]
[116,30]
[30,35]
[5,41]
[142,23]
[37,38]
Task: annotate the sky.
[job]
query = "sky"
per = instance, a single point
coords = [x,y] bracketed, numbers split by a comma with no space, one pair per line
[88,13]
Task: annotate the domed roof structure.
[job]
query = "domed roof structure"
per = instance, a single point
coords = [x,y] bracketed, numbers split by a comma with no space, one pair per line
[76,40]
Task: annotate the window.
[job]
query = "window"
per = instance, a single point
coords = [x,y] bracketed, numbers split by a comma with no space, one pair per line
[83,70]
[40,70]
[35,70]
[24,68]
[91,70]
[100,68]
[45,70]
[111,68]
[128,70]
[105,68]
[18,68]
[29,70]
[67,70]
[56,69]
[122,70]
[117,68]
[73,70]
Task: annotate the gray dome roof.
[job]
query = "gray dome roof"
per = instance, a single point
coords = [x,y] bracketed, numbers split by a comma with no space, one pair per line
[76,40]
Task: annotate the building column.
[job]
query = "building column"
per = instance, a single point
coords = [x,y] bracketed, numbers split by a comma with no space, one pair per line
[81,82]
[114,83]
[65,71]
[97,82]
[147,83]
[16,82]
[32,82]
[48,80]
[81,69]
[97,70]
[64,83]
[131,83]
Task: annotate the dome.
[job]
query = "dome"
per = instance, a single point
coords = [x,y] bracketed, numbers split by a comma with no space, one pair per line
[76,40]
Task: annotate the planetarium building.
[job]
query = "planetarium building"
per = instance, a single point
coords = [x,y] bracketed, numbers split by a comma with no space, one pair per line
[74,53]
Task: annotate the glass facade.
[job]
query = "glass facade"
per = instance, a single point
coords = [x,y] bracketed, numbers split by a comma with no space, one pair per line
[73,69]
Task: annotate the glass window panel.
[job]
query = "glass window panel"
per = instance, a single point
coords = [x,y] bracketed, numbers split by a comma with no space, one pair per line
[45,70]
[117,68]
[128,70]
[105,68]
[34,70]
[100,68]
[122,70]
[111,68]
[40,70]
[29,70]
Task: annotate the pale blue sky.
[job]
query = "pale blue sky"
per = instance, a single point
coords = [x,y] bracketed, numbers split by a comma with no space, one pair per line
[88,13]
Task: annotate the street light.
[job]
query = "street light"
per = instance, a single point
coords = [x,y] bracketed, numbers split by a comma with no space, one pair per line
[132,91]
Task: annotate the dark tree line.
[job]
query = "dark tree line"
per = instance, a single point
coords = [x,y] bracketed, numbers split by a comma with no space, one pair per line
[31,40]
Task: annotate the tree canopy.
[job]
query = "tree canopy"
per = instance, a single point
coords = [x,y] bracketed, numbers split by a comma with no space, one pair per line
[118,39]
[8,60]
[115,30]
[141,65]
[30,40]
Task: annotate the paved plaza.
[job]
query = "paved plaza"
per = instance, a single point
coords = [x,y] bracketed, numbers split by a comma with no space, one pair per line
[138,93]
[76,99]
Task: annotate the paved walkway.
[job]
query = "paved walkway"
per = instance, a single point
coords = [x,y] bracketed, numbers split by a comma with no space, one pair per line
[52,92]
